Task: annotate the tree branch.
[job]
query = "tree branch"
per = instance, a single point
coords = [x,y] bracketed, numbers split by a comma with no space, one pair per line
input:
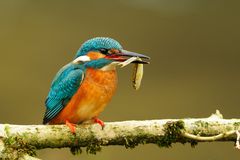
[23,140]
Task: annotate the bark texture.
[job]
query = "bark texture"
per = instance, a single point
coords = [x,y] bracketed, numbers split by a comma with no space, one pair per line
[23,140]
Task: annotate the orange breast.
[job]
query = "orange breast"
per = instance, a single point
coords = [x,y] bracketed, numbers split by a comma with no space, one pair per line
[91,98]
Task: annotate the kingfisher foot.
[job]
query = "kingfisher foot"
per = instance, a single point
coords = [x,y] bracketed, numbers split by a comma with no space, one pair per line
[100,122]
[71,126]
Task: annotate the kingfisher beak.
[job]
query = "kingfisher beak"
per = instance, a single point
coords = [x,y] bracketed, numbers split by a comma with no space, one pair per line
[124,55]
[132,54]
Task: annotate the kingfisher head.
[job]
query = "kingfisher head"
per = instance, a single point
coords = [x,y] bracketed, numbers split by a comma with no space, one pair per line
[100,52]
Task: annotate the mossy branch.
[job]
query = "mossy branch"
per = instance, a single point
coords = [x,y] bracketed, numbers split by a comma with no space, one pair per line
[23,140]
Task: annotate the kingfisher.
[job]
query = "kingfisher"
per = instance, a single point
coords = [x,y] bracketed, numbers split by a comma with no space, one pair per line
[81,89]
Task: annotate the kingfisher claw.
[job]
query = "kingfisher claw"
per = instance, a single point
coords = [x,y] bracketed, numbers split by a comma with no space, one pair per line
[100,122]
[71,126]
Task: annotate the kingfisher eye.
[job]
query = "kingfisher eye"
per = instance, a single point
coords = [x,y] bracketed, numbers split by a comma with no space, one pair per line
[104,51]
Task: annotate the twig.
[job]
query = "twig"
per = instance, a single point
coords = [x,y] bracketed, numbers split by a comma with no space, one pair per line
[237,141]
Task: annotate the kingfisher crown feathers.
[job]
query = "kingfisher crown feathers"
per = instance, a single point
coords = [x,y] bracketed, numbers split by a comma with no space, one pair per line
[98,43]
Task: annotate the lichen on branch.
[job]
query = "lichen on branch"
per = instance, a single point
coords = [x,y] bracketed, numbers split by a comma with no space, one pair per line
[25,139]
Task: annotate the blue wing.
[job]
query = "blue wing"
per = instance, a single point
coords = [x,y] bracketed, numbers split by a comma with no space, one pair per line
[64,86]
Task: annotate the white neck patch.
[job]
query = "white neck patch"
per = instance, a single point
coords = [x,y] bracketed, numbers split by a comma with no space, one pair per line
[81,59]
[110,67]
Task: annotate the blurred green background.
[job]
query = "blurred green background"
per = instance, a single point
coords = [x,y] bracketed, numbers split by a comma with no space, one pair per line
[194,70]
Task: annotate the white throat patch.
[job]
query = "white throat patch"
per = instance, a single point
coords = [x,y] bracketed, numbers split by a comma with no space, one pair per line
[81,59]
[110,67]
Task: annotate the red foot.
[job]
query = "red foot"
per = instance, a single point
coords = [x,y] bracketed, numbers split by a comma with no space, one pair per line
[71,126]
[100,122]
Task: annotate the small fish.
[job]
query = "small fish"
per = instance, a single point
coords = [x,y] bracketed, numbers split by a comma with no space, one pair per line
[127,62]
[137,75]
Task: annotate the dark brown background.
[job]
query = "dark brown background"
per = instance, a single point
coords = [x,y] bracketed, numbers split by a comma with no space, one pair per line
[194,46]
